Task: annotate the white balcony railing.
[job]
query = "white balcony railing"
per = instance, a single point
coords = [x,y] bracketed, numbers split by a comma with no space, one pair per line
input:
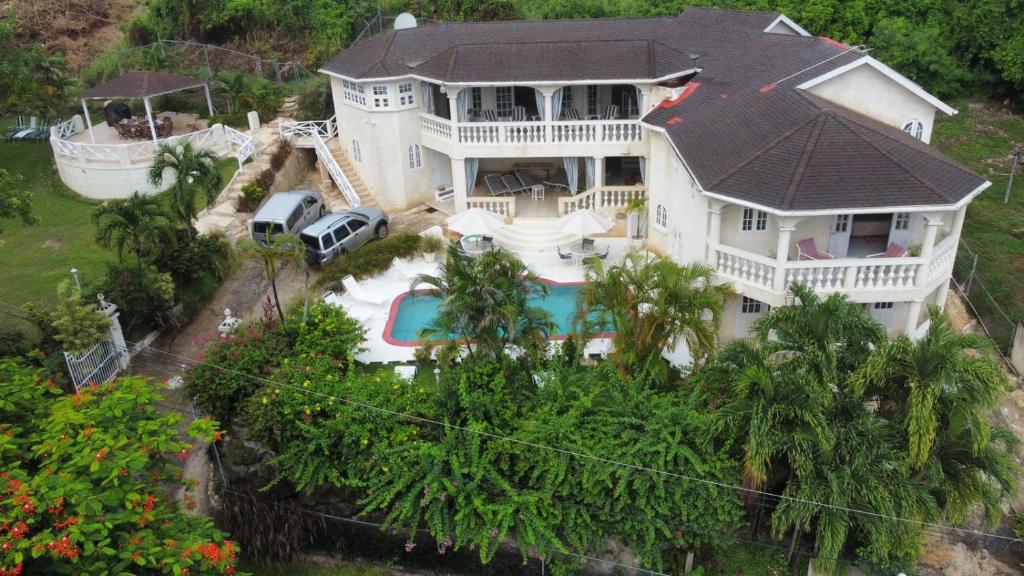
[300,133]
[506,206]
[533,132]
[841,274]
[612,197]
[218,137]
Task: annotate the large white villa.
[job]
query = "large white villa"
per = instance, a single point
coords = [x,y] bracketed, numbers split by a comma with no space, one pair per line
[773,156]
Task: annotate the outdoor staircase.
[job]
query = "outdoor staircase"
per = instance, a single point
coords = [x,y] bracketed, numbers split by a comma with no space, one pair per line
[333,197]
[533,235]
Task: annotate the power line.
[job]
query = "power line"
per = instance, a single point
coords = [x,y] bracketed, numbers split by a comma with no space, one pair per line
[591,457]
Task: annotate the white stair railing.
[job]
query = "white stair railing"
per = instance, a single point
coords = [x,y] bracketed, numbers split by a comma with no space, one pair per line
[318,132]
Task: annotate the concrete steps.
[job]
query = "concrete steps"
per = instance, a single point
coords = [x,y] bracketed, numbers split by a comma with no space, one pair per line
[332,195]
[532,235]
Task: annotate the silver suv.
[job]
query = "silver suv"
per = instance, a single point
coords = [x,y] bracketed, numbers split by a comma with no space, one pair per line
[286,213]
[336,234]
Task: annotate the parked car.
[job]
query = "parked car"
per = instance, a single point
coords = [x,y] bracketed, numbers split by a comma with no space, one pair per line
[338,233]
[286,213]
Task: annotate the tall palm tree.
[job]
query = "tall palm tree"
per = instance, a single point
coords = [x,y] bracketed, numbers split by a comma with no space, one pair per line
[485,303]
[281,250]
[652,305]
[192,169]
[137,224]
[940,390]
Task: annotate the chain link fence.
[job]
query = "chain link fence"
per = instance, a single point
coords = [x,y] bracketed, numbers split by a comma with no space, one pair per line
[185,54]
[994,320]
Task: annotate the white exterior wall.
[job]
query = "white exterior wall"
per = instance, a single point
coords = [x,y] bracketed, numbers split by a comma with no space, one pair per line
[868,91]
[669,184]
[384,137]
[109,180]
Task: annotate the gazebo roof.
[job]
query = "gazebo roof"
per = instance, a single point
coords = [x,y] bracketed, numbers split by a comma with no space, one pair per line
[142,85]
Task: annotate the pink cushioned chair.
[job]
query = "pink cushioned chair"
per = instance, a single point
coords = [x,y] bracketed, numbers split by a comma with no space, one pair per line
[892,251]
[807,250]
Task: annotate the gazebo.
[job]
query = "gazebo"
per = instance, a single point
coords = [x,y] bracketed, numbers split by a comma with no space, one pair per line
[144,85]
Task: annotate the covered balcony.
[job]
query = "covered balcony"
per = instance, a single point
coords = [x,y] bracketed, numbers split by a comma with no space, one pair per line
[899,254]
[516,120]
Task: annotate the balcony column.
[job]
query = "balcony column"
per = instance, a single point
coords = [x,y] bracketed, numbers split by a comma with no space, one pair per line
[459,183]
[932,223]
[912,313]
[786,228]
[714,231]
[958,226]
[453,105]
[598,172]
[548,92]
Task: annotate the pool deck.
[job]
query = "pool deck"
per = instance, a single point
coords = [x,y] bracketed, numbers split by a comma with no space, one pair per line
[397,280]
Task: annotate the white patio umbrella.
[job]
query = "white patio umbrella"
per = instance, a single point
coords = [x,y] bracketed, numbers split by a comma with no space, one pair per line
[584,223]
[475,221]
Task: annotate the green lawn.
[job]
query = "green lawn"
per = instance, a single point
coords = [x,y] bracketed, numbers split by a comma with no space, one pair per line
[982,136]
[34,259]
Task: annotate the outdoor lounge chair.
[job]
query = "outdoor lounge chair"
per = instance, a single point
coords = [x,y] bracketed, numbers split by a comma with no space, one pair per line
[604,255]
[512,183]
[894,250]
[570,114]
[357,292]
[807,250]
[588,242]
[558,180]
[496,185]
[563,256]
[488,115]
[611,113]
[525,179]
[519,114]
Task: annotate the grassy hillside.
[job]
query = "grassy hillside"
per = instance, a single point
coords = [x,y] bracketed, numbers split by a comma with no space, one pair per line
[982,136]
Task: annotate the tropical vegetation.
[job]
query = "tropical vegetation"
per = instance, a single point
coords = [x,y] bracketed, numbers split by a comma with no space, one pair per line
[840,442]
[88,479]
[191,169]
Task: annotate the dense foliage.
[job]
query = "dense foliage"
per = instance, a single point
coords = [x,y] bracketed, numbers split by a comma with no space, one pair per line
[950,48]
[33,81]
[14,203]
[86,482]
[374,259]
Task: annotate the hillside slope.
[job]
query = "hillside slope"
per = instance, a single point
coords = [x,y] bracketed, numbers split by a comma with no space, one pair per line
[81,29]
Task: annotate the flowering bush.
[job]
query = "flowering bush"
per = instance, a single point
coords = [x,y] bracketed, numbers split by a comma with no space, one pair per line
[86,489]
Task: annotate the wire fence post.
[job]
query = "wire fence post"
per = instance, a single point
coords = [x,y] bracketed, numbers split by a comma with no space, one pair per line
[970,275]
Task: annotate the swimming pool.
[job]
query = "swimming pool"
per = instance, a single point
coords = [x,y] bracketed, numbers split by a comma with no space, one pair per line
[411,314]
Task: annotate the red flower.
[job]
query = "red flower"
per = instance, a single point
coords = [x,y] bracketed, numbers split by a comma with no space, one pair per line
[102,454]
[229,570]
[183,455]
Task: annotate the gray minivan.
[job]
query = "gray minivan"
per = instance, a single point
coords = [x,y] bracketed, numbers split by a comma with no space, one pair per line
[286,213]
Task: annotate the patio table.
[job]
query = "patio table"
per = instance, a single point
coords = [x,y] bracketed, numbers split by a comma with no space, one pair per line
[581,251]
[475,244]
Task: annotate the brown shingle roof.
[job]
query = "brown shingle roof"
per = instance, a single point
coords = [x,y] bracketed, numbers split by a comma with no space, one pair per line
[141,85]
[745,130]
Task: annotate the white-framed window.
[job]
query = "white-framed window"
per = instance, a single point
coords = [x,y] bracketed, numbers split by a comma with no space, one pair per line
[593,99]
[902,221]
[914,127]
[751,306]
[753,220]
[354,92]
[357,152]
[504,100]
[476,99]
[415,160]
[882,305]
[381,96]
[661,217]
[841,223]
[405,94]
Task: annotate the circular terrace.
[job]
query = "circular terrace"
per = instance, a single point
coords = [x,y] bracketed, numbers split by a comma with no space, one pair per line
[111,159]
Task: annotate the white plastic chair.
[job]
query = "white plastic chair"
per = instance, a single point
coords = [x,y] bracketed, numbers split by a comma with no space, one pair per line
[357,292]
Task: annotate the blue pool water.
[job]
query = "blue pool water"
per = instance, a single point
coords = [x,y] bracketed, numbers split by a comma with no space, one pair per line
[416,313]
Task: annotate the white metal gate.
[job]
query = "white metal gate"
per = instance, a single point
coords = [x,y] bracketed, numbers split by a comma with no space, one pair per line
[98,365]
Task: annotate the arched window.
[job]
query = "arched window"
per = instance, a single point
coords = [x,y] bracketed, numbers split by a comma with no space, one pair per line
[414,157]
[357,153]
[914,127]
[661,217]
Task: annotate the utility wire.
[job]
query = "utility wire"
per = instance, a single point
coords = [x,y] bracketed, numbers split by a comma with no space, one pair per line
[591,457]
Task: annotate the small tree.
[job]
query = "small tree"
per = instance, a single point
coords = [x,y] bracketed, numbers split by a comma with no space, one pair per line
[137,224]
[283,249]
[192,169]
[79,325]
[14,203]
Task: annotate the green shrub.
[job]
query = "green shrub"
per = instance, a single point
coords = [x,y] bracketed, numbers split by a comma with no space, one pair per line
[252,195]
[280,156]
[236,119]
[314,101]
[198,266]
[370,259]
[265,179]
[142,301]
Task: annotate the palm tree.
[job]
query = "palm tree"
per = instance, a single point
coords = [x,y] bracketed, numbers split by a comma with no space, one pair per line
[940,391]
[192,169]
[651,305]
[834,335]
[233,85]
[485,303]
[137,224]
[281,250]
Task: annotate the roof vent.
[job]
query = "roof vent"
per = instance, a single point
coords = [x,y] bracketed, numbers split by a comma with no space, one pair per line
[404,21]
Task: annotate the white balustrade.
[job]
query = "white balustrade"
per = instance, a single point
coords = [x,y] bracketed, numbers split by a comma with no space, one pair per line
[436,126]
[745,267]
[612,197]
[300,133]
[533,132]
[216,137]
[499,205]
[942,257]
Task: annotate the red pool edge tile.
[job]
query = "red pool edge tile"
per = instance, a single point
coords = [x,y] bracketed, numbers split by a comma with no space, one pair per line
[397,302]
